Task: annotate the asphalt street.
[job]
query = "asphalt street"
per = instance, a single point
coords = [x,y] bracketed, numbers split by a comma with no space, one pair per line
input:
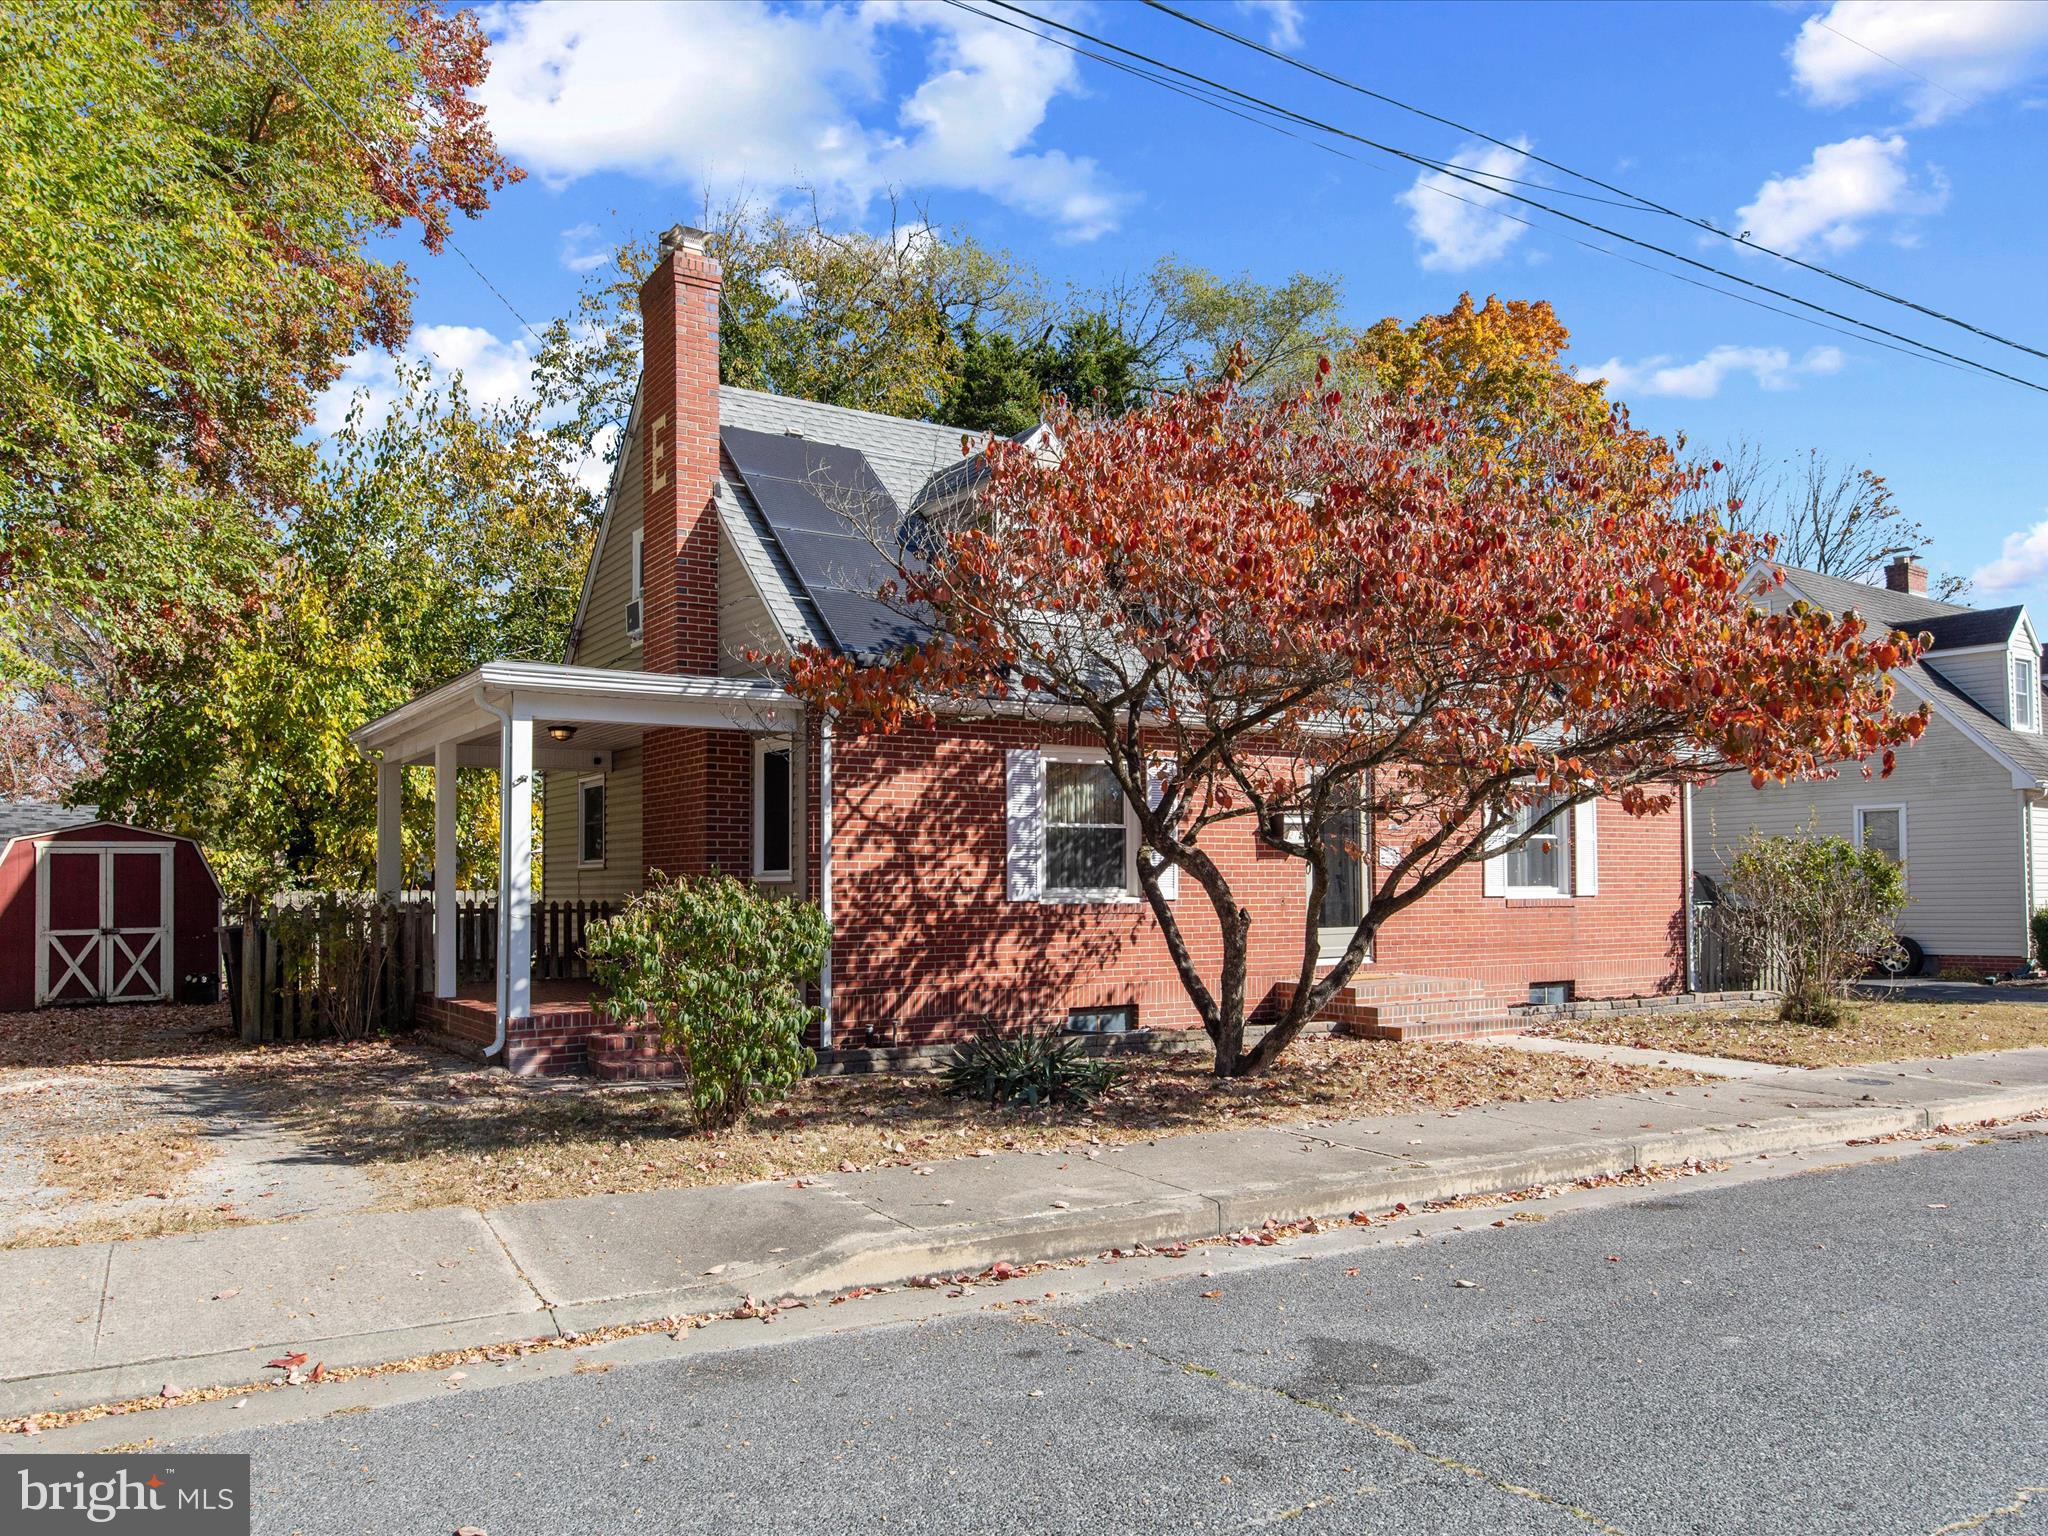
[1858,1351]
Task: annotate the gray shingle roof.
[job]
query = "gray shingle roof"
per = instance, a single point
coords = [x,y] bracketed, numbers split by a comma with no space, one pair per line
[903,454]
[1952,626]
[32,818]
[1977,626]
[1880,605]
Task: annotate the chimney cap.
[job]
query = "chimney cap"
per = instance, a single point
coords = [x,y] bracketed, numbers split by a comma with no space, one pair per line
[682,237]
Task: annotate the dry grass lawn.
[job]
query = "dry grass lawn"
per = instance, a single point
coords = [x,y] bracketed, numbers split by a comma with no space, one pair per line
[436,1131]
[1880,1032]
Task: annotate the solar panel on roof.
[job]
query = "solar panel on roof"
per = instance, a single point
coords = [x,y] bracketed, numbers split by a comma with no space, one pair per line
[829,512]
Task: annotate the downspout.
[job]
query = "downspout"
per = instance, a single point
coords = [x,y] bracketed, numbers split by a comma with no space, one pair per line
[497,1045]
[1692,978]
[825,874]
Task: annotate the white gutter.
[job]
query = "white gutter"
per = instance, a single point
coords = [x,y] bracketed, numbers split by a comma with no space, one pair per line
[497,1045]
[825,873]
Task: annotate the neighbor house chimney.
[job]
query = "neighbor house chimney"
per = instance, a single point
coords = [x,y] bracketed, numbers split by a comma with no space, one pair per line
[678,446]
[679,456]
[1905,574]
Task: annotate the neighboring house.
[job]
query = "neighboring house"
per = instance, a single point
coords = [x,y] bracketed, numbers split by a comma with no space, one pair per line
[95,911]
[1966,807]
[978,870]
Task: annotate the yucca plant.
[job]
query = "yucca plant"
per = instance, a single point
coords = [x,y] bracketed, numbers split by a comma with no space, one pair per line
[1039,1066]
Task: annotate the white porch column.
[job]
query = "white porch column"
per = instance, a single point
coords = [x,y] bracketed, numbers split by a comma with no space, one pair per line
[445,873]
[515,880]
[390,847]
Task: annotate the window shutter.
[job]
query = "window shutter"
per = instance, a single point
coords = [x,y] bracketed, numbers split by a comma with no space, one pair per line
[1025,798]
[1586,848]
[1496,876]
[1155,786]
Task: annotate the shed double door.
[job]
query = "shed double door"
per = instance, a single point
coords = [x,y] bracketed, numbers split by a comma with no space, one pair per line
[103,923]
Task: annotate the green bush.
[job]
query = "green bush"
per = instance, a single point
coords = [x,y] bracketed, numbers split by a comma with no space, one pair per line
[1036,1067]
[1810,913]
[1961,973]
[717,967]
[2039,924]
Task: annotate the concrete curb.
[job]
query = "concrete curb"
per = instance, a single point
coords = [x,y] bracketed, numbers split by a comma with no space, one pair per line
[1345,1169]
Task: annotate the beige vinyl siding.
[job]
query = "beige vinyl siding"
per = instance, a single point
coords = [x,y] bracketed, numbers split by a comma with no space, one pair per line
[562,877]
[603,641]
[744,622]
[1964,839]
[1984,675]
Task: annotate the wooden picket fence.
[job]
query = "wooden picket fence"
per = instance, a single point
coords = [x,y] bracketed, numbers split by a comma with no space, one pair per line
[281,988]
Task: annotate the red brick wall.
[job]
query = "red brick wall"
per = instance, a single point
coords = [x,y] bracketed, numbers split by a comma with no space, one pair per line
[927,943]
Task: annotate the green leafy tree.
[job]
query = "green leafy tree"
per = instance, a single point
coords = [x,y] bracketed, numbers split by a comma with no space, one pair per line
[439,537]
[188,197]
[717,967]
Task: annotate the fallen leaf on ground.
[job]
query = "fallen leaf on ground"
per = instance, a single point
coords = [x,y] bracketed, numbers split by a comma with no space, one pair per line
[290,1362]
[228,1295]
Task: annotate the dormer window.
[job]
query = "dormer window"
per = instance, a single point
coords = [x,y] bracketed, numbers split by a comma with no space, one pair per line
[2026,693]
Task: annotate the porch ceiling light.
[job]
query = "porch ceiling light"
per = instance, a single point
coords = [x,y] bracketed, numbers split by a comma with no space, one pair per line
[562,732]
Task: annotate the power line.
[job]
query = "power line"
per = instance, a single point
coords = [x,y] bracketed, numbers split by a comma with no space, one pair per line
[396,183]
[1635,199]
[1486,208]
[1895,64]
[1462,174]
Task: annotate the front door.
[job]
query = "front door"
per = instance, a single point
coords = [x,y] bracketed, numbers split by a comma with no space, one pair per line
[103,923]
[1343,853]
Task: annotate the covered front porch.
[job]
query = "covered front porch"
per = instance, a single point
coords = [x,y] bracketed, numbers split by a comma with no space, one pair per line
[506,981]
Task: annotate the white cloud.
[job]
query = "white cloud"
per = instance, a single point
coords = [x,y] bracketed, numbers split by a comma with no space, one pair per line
[493,371]
[1283,20]
[1773,368]
[1841,189]
[582,248]
[2023,562]
[1939,55]
[730,97]
[1456,235]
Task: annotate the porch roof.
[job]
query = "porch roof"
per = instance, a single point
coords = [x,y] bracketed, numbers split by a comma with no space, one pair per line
[466,709]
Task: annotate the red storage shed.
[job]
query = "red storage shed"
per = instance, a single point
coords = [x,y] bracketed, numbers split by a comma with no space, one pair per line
[95,911]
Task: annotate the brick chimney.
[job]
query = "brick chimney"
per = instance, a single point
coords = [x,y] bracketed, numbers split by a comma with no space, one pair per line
[679,522]
[679,457]
[1905,574]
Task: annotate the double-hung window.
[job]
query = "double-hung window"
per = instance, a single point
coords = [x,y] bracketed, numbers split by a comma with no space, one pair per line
[1542,866]
[2026,693]
[1883,828]
[590,822]
[774,805]
[1087,833]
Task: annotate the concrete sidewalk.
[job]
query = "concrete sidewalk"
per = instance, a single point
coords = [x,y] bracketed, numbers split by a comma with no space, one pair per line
[109,1321]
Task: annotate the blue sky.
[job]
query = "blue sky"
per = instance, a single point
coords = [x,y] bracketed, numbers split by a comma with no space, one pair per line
[1904,143]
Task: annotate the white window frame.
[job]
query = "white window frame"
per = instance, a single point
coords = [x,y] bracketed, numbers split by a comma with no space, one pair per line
[1049,892]
[764,746]
[636,585]
[1864,810]
[604,810]
[1563,890]
[2023,676]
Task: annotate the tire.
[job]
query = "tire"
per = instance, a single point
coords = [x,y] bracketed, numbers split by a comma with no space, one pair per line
[1913,962]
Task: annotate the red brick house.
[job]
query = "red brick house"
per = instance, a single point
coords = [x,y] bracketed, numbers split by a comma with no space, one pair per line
[974,870]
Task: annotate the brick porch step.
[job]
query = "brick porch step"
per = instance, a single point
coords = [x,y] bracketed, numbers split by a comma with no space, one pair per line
[1382,1005]
[615,1068]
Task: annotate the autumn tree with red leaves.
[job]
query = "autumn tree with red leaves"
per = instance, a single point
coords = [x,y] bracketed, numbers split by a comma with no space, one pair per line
[1279,610]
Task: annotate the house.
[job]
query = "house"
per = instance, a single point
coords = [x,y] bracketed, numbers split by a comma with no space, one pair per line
[980,869]
[96,911]
[1965,809]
